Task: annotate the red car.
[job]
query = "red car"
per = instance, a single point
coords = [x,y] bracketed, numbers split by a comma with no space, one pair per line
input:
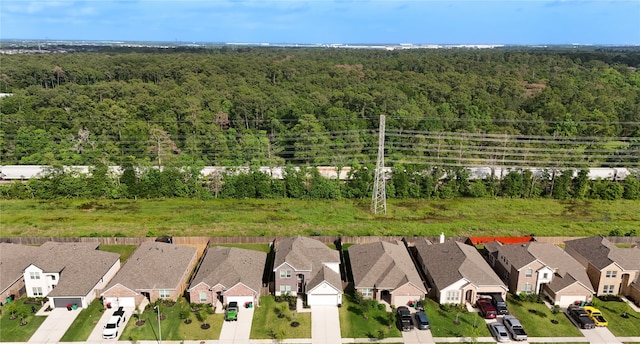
[486,308]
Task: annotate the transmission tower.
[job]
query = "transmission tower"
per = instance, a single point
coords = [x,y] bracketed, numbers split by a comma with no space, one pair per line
[379,198]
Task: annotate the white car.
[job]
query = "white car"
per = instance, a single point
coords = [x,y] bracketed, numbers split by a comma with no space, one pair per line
[111,328]
[499,332]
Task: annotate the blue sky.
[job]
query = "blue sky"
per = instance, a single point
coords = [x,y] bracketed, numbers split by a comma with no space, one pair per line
[327,21]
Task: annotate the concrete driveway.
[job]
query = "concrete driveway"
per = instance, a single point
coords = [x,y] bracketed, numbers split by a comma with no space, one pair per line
[237,331]
[96,334]
[325,325]
[416,336]
[54,327]
[600,335]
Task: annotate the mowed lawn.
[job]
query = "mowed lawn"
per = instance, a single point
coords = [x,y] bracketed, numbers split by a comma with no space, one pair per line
[251,217]
[10,329]
[85,322]
[267,324]
[536,318]
[620,326]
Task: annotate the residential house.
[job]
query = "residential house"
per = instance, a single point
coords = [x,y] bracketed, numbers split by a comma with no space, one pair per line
[69,273]
[13,259]
[456,272]
[228,274]
[540,268]
[305,266]
[154,271]
[611,269]
[385,271]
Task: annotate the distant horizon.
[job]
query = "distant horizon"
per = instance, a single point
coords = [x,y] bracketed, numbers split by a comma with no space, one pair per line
[350,22]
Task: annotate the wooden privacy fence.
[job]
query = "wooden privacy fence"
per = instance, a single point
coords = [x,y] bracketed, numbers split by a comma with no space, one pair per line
[269,239]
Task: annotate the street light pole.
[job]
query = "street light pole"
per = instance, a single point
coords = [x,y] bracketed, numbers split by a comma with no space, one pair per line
[159,329]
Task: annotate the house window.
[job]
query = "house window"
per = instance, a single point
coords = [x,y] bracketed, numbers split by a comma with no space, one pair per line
[453,296]
[614,274]
[527,288]
[528,273]
[607,289]
[53,277]
[37,291]
[34,275]
[285,289]
[164,294]
[366,292]
[545,275]
[203,296]
[285,273]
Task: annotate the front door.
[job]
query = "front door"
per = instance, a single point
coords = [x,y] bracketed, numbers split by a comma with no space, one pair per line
[300,288]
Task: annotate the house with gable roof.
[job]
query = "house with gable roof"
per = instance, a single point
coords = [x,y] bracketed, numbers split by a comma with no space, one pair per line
[541,268]
[611,269]
[13,259]
[69,273]
[305,266]
[228,274]
[456,272]
[385,271]
[156,270]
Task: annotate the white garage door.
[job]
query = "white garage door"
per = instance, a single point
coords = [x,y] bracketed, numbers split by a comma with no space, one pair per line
[404,300]
[120,301]
[567,300]
[241,300]
[322,300]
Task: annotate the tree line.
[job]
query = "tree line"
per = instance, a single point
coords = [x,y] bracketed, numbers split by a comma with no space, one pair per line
[271,106]
[307,183]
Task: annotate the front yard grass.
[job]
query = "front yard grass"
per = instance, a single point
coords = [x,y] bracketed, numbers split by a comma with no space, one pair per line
[366,320]
[10,329]
[84,324]
[536,318]
[619,326]
[125,251]
[443,322]
[267,325]
[173,327]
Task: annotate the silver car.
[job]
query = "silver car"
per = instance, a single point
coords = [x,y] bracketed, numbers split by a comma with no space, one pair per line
[499,332]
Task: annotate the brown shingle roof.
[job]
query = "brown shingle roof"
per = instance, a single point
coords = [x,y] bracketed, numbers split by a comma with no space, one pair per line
[304,254]
[328,275]
[13,260]
[451,261]
[155,265]
[229,266]
[602,252]
[383,265]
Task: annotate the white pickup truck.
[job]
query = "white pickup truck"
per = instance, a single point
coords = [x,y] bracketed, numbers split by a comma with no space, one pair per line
[113,325]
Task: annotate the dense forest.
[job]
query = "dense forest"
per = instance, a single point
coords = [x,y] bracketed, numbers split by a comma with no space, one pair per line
[445,109]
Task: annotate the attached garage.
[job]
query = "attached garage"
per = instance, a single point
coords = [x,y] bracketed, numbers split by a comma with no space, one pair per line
[567,300]
[120,301]
[403,300]
[64,301]
[241,300]
[322,300]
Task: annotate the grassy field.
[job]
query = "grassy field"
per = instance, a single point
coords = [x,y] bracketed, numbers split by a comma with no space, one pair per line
[125,251]
[185,217]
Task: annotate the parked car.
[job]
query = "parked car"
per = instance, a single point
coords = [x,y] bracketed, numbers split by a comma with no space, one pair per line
[580,317]
[486,308]
[514,327]
[113,324]
[231,313]
[499,304]
[422,321]
[404,318]
[596,316]
[499,332]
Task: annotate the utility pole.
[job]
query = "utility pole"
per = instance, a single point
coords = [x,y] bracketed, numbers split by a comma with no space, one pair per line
[379,198]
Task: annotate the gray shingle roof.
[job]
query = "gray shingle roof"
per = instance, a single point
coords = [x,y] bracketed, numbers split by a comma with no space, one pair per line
[451,261]
[306,254]
[154,265]
[13,260]
[81,266]
[328,275]
[383,264]
[550,255]
[602,252]
[229,266]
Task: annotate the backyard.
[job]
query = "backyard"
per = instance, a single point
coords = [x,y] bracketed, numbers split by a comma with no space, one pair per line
[24,323]
[173,325]
[365,319]
[272,320]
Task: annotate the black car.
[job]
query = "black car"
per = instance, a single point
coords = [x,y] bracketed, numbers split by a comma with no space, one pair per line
[405,322]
